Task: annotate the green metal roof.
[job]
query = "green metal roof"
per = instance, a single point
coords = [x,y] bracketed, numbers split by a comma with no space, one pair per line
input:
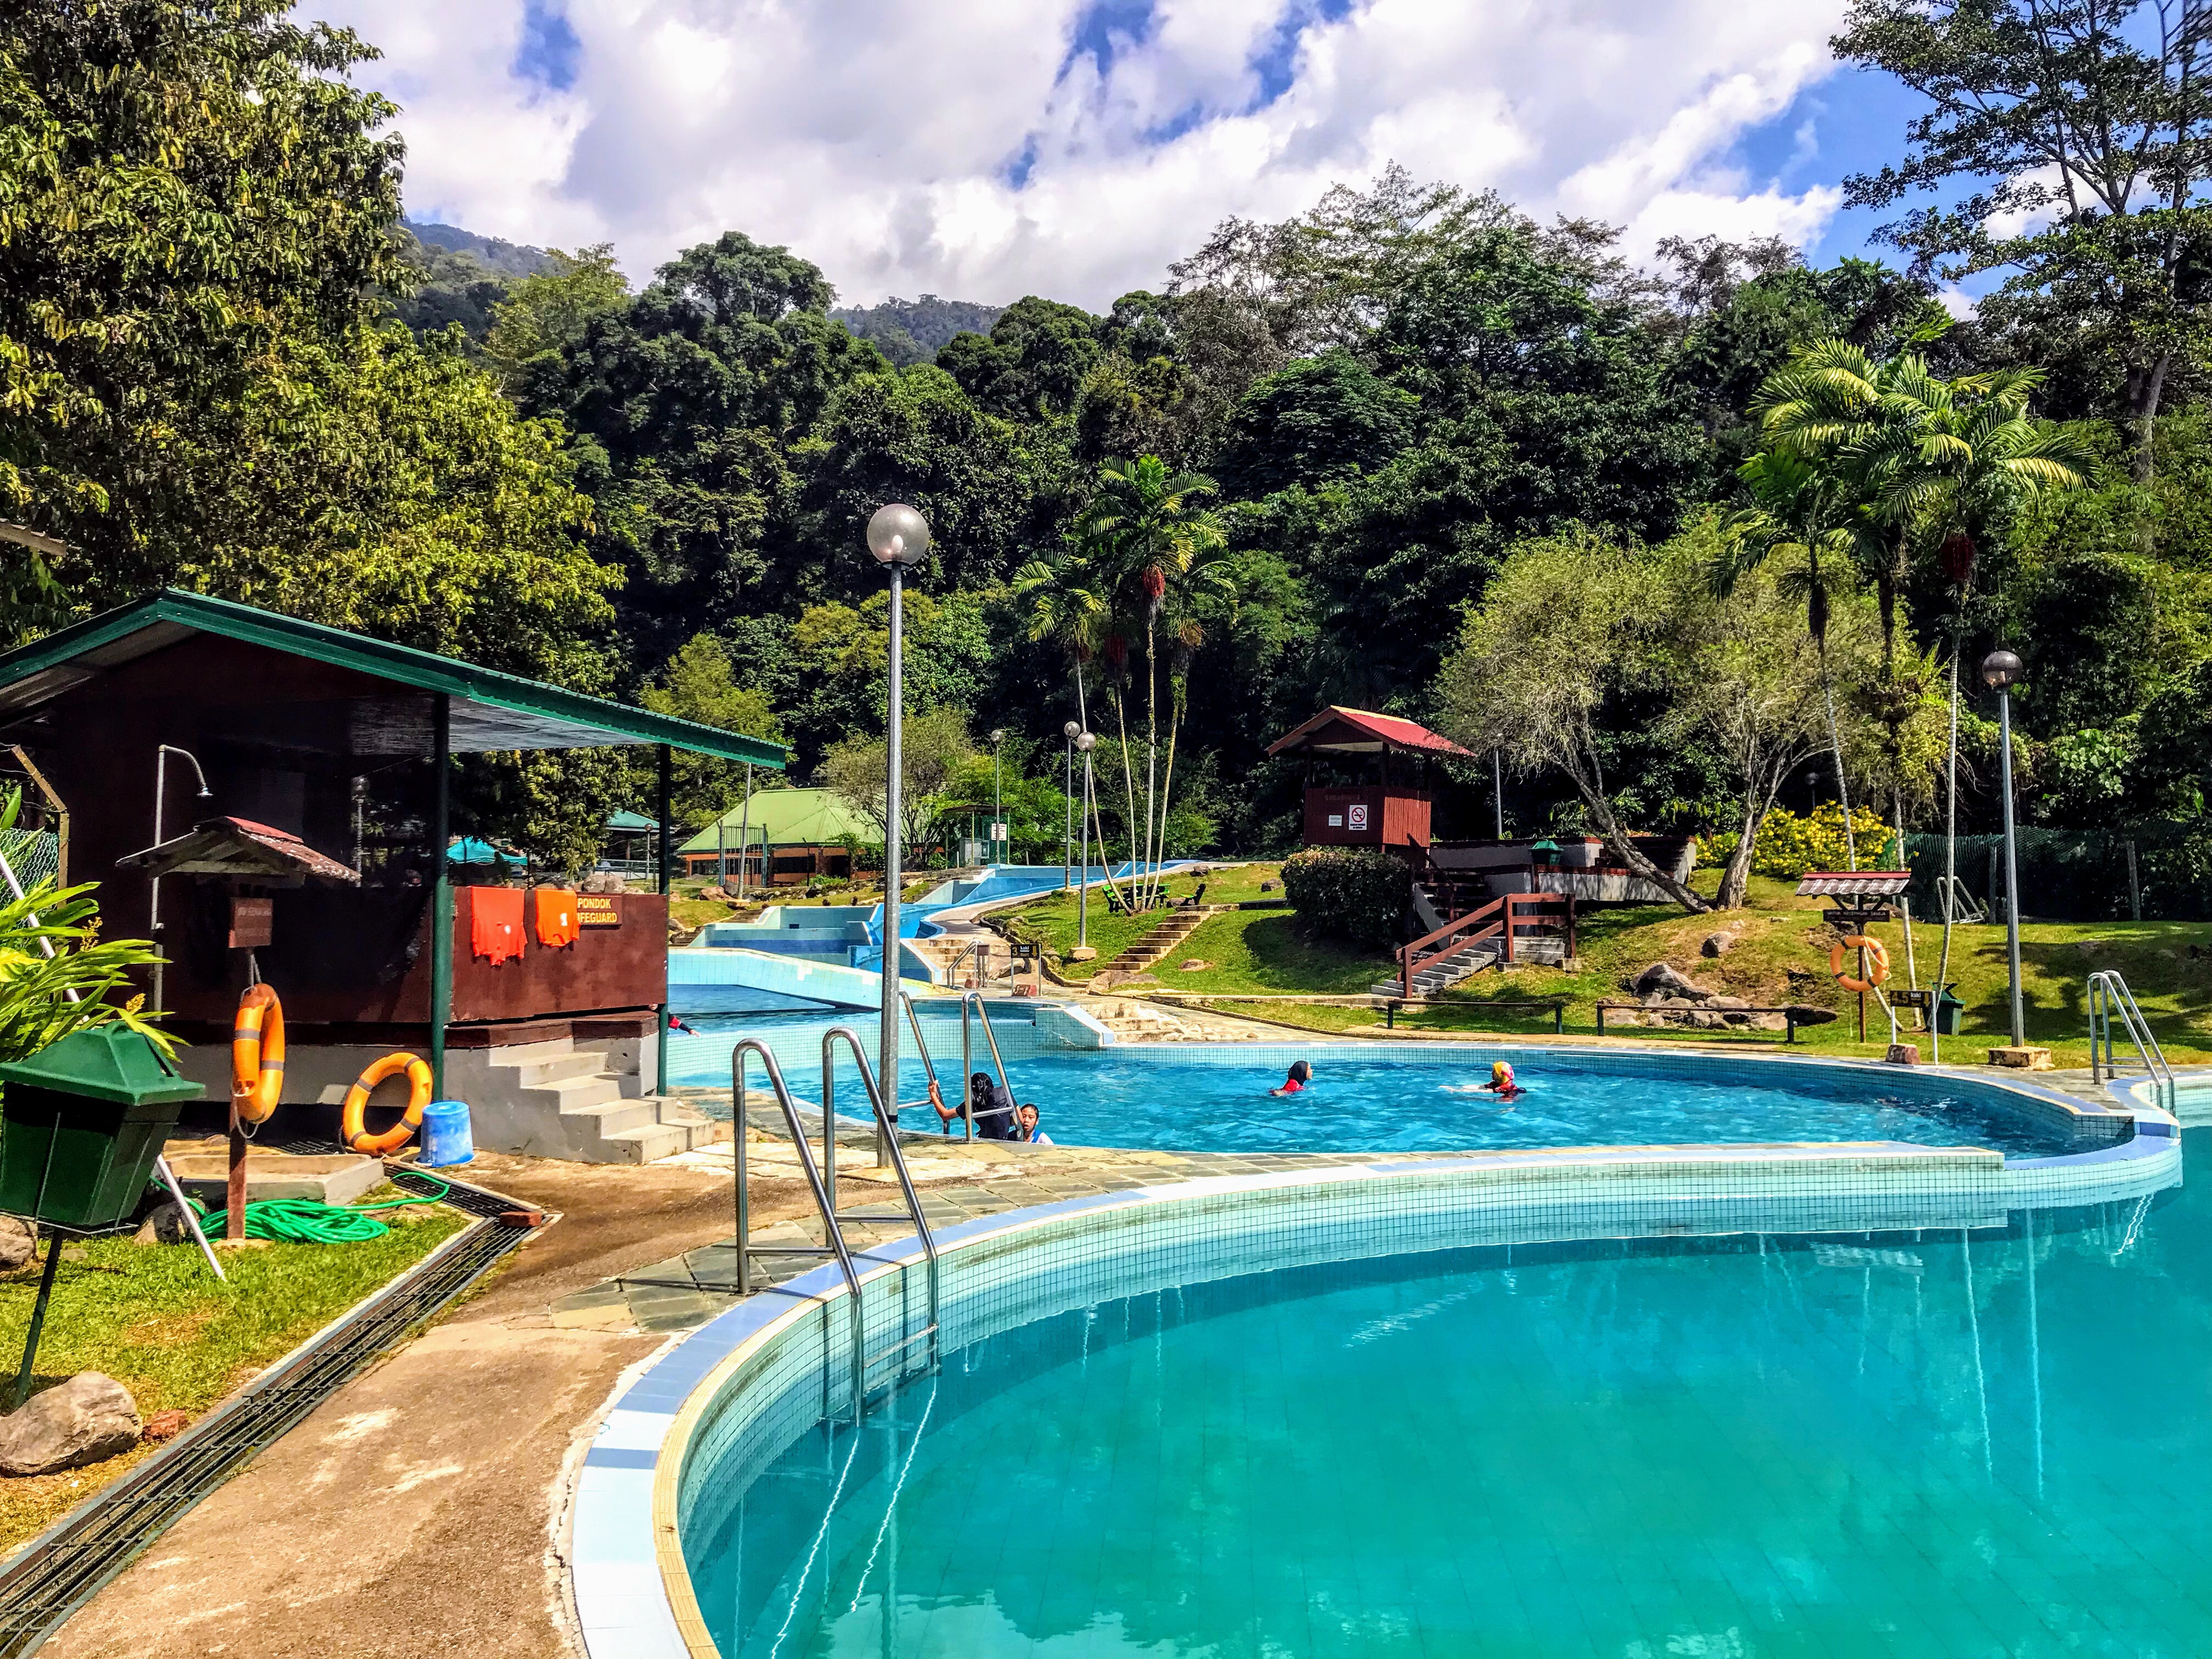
[630,824]
[489,710]
[788,817]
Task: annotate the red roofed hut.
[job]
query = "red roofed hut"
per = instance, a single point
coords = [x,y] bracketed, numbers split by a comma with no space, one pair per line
[1387,801]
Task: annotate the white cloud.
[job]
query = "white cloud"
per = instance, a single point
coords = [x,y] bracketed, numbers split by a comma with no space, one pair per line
[887,139]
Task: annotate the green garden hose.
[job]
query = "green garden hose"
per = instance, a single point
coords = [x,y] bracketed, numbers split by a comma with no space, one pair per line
[310,1221]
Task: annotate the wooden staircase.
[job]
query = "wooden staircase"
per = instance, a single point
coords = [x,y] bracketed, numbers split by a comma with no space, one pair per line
[1520,929]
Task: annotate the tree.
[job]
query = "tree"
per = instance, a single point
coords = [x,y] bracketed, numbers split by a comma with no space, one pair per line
[184,190]
[1747,678]
[2083,136]
[934,749]
[1158,555]
[697,685]
[1032,362]
[689,402]
[540,316]
[1567,631]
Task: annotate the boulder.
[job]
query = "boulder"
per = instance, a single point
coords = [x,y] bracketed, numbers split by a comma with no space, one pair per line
[1195,966]
[1270,886]
[1726,1002]
[19,1243]
[1805,1016]
[168,1425]
[166,1226]
[603,881]
[1717,945]
[83,1420]
[712,891]
[1665,981]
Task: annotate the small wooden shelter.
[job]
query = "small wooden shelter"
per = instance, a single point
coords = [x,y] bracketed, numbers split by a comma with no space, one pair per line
[327,752]
[1369,777]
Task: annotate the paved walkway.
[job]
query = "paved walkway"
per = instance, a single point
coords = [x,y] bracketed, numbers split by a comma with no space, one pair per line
[956,1179]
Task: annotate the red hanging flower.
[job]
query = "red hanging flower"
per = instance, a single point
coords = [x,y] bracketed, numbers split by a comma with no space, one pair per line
[1958,558]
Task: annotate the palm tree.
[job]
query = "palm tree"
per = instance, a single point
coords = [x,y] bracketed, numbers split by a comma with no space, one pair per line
[1156,553]
[1796,516]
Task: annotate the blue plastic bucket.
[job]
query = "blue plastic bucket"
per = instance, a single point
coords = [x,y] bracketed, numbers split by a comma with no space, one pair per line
[446,1133]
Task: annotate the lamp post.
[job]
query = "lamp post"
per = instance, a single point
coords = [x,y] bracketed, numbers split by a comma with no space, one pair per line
[2000,670]
[161,753]
[898,537]
[1086,743]
[1071,731]
[998,807]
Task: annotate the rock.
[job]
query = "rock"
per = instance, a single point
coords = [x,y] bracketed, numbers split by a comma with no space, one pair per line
[1726,1002]
[1758,1023]
[168,1425]
[1717,945]
[1805,1016]
[88,1418]
[1705,1022]
[19,1243]
[1195,966]
[1137,979]
[166,1226]
[602,881]
[712,891]
[1105,979]
[1270,886]
[1666,982]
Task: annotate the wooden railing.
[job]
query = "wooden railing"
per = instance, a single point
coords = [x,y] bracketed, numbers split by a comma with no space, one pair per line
[1513,914]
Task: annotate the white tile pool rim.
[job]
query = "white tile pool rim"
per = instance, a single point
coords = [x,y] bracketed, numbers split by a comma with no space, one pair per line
[628,1576]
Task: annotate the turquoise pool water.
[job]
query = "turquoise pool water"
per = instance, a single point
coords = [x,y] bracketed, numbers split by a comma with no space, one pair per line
[1355,1104]
[1914,1445]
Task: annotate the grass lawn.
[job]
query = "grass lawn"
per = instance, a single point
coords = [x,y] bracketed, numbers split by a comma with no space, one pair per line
[155,1319]
[1780,955]
[1110,933]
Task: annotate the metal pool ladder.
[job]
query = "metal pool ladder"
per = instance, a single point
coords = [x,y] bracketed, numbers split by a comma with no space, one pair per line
[2109,1000]
[822,1181]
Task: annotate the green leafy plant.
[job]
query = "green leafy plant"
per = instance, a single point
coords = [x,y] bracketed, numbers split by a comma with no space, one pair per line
[36,1005]
[1349,893]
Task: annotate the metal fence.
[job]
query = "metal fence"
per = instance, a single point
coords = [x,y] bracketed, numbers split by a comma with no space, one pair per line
[2154,872]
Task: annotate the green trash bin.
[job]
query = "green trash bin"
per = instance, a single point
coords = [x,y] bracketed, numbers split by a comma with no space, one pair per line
[81,1124]
[1950,1012]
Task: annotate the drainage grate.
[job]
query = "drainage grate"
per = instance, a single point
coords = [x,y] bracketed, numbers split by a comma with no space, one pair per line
[58,1572]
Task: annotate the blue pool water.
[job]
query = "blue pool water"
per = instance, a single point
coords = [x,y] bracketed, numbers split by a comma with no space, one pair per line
[1169,1100]
[1931,1444]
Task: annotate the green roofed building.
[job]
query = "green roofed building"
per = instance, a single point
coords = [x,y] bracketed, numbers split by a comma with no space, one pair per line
[800,834]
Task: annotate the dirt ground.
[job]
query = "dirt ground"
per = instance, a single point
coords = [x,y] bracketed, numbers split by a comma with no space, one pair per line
[413,1513]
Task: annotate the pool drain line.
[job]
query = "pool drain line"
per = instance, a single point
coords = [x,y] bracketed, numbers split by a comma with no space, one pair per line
[60,1570]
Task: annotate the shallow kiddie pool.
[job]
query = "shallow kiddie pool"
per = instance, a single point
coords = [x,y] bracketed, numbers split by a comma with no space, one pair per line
[1964,1437]
[1372,1097]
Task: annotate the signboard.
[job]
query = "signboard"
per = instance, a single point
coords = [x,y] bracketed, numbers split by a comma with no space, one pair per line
[998,829]
[1336,820]
[252,923]
[1356,816]
[599,910]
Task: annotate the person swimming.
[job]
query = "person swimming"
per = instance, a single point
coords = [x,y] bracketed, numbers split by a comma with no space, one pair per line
[1501,1082]
[1301,1074]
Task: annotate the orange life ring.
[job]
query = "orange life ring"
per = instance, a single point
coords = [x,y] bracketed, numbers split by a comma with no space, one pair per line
[351,1129]
[257,1055]
[1877,962]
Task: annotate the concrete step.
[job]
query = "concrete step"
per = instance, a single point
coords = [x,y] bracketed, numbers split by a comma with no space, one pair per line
[554,1068]
[572,1093]
[605,1118]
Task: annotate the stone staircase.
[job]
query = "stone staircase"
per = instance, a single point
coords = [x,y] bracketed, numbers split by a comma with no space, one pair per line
[1163,940]
[554,1099]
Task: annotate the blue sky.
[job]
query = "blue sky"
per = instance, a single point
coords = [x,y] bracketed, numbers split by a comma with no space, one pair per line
[1074,147]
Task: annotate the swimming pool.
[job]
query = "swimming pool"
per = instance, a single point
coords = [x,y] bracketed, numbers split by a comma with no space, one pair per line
[1941,1441]
[1373,1098]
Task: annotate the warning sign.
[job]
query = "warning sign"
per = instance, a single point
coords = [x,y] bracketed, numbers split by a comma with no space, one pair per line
[599,910]
[1356,817]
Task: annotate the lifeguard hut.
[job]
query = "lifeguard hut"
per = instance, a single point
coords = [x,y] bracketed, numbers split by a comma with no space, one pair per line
[267,795]
[1369,777]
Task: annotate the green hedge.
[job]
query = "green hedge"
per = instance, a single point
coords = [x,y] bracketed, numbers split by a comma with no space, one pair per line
[1350,894]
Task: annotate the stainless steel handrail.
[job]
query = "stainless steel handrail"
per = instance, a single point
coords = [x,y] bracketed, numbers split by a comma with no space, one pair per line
[968,1058]
[835,1246]
[2109,992]
[887,1134]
